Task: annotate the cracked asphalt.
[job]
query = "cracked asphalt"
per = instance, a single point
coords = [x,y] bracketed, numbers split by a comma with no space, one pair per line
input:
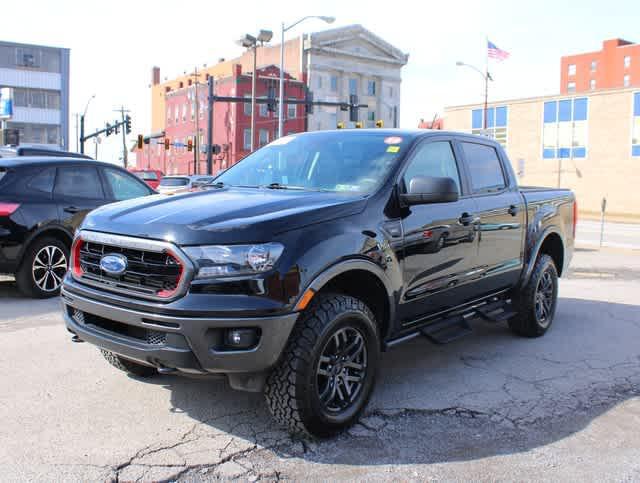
[490,406]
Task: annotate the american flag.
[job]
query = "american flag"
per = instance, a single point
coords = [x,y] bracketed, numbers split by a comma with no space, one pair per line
[496,53]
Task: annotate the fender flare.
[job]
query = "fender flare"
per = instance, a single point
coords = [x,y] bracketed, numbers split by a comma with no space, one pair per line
[43,230]
[321,279]
[526,274]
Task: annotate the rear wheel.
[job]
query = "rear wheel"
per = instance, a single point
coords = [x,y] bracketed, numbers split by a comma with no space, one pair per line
[327,372]
[43,267]
[536,302]
[128,366]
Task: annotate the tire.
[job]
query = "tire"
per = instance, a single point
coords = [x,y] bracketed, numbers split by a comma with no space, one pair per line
[43,267]
[128,366]
[315,363]
[535,314]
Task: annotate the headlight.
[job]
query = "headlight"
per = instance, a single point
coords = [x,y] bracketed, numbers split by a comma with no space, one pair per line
[228,260]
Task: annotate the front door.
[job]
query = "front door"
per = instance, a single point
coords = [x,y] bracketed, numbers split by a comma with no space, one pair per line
[439,242]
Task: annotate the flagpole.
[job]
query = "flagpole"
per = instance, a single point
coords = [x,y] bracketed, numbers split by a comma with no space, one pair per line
[486,83]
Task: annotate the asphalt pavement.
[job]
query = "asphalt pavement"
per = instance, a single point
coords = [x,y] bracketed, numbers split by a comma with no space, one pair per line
[491,406]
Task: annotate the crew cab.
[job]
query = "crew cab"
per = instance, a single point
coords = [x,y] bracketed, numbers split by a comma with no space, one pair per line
[312,255]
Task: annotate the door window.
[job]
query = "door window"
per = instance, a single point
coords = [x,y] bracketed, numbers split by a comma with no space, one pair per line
[485,169]
[433,159]
[79,182]
[123,186]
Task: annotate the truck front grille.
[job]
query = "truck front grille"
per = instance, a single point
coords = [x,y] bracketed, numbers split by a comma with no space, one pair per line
[146,336]
[148,273]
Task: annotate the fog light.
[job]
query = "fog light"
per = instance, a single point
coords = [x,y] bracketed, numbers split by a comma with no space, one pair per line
[241,338]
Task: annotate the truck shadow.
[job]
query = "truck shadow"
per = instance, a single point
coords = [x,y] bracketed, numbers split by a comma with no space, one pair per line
[485,395]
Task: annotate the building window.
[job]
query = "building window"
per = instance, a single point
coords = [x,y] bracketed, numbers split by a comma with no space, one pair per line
[371,116]
[334,83]
[169,115]
[594,65]
[177,114]
[263,137]
[496,123]
[571,87]
[627,61]
[572,69]
[564,131]
[626,80]
[390,91]
[184,112]
[319,82]
[353,86]
[333,120]
[592,84]
[371,88]
[193,110]
[263,109]
[247,106]
[246,141]
[291,111]
[635,133]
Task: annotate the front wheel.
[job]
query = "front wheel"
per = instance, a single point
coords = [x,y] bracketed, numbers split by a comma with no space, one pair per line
[327,372]
[536,302]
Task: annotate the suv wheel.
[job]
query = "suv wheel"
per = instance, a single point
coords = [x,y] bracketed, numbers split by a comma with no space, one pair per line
[327,371]
[43,267]
[128,366]
[536,302]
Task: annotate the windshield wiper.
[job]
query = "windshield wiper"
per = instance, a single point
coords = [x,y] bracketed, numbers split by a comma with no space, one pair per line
[278,186]
[219,184]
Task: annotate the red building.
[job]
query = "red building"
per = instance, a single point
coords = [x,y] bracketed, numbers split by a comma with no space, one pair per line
[187,113]
[616,65]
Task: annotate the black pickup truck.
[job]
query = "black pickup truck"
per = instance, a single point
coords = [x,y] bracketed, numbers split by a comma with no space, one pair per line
[311,256]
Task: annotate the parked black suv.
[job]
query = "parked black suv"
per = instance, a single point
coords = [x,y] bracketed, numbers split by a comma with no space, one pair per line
[312,255]
[42,202]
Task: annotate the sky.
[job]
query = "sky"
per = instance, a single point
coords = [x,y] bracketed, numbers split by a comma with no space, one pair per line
[115,43]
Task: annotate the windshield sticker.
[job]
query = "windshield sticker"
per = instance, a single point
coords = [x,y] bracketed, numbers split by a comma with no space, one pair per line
[393,140]
[347,187]
[393,149]
[282,141]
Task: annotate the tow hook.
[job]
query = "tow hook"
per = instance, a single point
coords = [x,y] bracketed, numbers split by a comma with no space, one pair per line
[76,339]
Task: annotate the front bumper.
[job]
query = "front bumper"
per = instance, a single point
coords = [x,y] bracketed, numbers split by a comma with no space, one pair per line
[187,344]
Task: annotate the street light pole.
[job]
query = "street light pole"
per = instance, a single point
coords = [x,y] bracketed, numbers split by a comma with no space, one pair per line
[487,77]
[253,96]
[82,120]
[281,90]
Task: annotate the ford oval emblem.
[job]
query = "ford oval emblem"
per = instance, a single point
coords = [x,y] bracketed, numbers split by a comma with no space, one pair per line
[113,264]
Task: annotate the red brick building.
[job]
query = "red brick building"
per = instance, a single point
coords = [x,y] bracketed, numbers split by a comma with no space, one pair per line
[616,65]
[184,116]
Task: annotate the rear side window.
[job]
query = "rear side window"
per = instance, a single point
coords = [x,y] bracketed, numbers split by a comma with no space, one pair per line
[484,166]
[43,181]
[79,182]
[124,186]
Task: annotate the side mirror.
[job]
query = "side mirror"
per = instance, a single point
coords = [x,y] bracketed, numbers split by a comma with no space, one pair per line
[430,189]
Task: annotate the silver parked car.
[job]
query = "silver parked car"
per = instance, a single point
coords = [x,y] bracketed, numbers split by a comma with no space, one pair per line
[171,185]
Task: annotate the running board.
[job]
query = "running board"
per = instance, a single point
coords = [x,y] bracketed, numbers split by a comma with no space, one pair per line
[498,311]
[447,330]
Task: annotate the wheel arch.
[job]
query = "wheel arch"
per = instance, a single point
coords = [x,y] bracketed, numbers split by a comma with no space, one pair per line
[54,231]
[550,243]
[364,280]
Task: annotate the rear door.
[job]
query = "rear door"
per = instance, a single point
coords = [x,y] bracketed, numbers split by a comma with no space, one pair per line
[501,210]
[78,190]
[439,242]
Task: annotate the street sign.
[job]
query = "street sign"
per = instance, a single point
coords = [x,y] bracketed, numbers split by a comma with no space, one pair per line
[6,103]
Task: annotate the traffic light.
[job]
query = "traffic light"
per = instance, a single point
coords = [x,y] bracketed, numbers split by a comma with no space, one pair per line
[140,141]
[108,129]
[127,124]
[167,143]
[271,98]
[309,104]
[116,128]
[215,149]
[353,108]
[340,125]
[359,125]
[190,145]
[379,123]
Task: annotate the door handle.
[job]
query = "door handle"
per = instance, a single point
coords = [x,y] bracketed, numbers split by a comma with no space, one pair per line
[514,210]
[71,209]
[467,218]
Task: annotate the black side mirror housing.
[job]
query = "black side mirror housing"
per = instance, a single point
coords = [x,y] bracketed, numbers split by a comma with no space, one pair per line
[429,189]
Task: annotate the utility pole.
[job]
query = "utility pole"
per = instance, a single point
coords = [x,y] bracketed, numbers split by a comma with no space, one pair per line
[196,143]
[77,135]
[82,134]
[125,158]
[253,96]
[210,127]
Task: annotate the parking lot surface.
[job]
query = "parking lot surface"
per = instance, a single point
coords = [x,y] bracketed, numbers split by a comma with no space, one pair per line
[488,406]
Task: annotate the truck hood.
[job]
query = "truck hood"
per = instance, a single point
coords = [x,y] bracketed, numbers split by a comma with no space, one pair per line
[229,215]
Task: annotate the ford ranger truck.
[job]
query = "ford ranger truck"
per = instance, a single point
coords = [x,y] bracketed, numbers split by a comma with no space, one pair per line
[311,256]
